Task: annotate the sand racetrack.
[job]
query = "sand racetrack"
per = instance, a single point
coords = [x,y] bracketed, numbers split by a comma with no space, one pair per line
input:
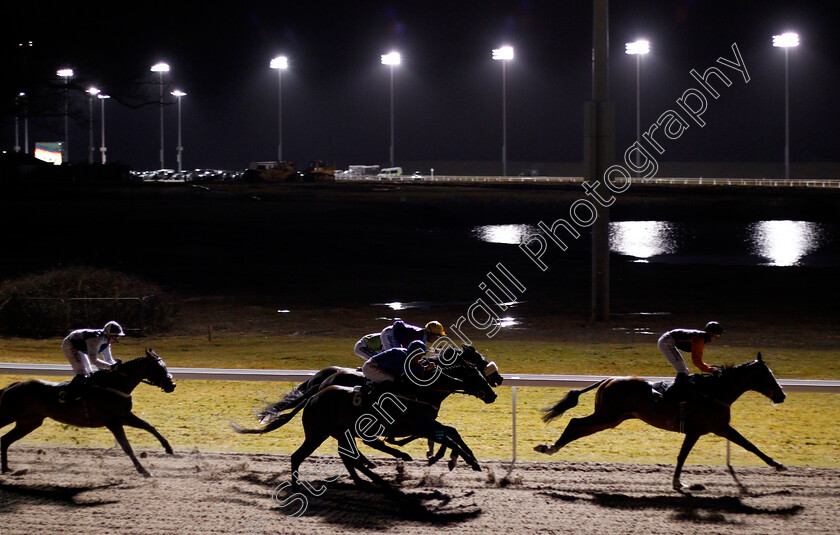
[97,491]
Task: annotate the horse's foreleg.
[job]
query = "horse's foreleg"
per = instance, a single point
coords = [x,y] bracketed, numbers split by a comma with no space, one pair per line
[310,444]
[688,443]
[119,434]
[401,441]
[394,452]
[736,437]
[449,436]
[20,430]
[579,428]
[135,421]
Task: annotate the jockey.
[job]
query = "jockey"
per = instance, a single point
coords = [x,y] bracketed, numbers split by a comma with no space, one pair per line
[83,345]
[400,334]
[368,345]
[690,340]
[388,366]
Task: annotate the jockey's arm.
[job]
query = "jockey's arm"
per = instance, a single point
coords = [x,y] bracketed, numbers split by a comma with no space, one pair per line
[107,361]
[697,346]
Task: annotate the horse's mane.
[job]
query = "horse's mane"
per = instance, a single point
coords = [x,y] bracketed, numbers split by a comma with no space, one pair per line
[102,372]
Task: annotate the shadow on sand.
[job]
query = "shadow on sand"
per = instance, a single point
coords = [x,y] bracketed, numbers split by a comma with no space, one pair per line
[20,495]
[370,506]
[685,507]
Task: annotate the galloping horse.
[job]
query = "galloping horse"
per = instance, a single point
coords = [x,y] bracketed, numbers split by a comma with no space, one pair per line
[336,375]
[619,399]
[106,402]
[335,410]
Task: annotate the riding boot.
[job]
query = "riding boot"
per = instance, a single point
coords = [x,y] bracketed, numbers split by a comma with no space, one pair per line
[372,390]
[74,389]
[680,391]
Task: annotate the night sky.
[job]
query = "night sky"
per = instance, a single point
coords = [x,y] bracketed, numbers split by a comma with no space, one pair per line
[448,90]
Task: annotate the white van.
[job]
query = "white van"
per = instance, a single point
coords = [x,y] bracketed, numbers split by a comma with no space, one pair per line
[390,172]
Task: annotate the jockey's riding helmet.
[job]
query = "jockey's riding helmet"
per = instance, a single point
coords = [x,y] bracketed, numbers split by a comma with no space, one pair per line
[713,327]
[112,328]
[417,345]
[435,327]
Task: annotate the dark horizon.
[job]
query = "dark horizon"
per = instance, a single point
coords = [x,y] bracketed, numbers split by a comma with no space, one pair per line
[448,90]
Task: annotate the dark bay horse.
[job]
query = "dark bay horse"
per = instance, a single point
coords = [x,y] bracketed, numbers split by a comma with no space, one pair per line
[338,411]
[106,401]
[622,398]
[351,377]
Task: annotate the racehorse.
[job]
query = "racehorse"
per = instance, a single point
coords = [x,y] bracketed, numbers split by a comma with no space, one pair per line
[338,411]
[622,398]
[105,401]
[336,375]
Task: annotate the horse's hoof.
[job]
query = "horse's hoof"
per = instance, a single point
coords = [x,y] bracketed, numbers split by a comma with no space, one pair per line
[147,474]
[544,448]
[780,467]
[406,458]
[170,451]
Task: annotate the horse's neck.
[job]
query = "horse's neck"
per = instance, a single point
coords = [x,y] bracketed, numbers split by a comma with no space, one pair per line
[125,378]
[733,384]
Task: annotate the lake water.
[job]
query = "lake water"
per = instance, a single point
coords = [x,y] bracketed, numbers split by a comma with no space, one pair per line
[769,242]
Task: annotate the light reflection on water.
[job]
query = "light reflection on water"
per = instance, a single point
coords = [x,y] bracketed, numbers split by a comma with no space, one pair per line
[509,234]
[643,239]
[782,243]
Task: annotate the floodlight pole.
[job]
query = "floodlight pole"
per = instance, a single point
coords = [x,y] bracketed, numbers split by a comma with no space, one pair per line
[161,68]
[65,150]
[180,148]
[91,91]
[102,148]
[638,49]
[392,59]
[504,54]
[786,41]
[280,63]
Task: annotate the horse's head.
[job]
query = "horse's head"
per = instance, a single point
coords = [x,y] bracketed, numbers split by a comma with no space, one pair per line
[488,368]
[761,380]
[156,374]
[469,367]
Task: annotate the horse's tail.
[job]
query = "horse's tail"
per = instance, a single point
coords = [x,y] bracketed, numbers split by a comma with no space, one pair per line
[293,400]
[277,422]
[567,402]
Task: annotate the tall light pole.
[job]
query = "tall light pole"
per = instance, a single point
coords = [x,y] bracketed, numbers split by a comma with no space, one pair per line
[638,48]
[786,41]
[161,68]
[102,148]
[25,110]
[18,100]
[92,92]
[392,59]
[180,148]
[65,150]
[504,54]
[280,63]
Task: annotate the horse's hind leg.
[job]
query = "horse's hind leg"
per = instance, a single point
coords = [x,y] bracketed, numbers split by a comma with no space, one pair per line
[20,430]
[119,434]
[579,428]
[135,421]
